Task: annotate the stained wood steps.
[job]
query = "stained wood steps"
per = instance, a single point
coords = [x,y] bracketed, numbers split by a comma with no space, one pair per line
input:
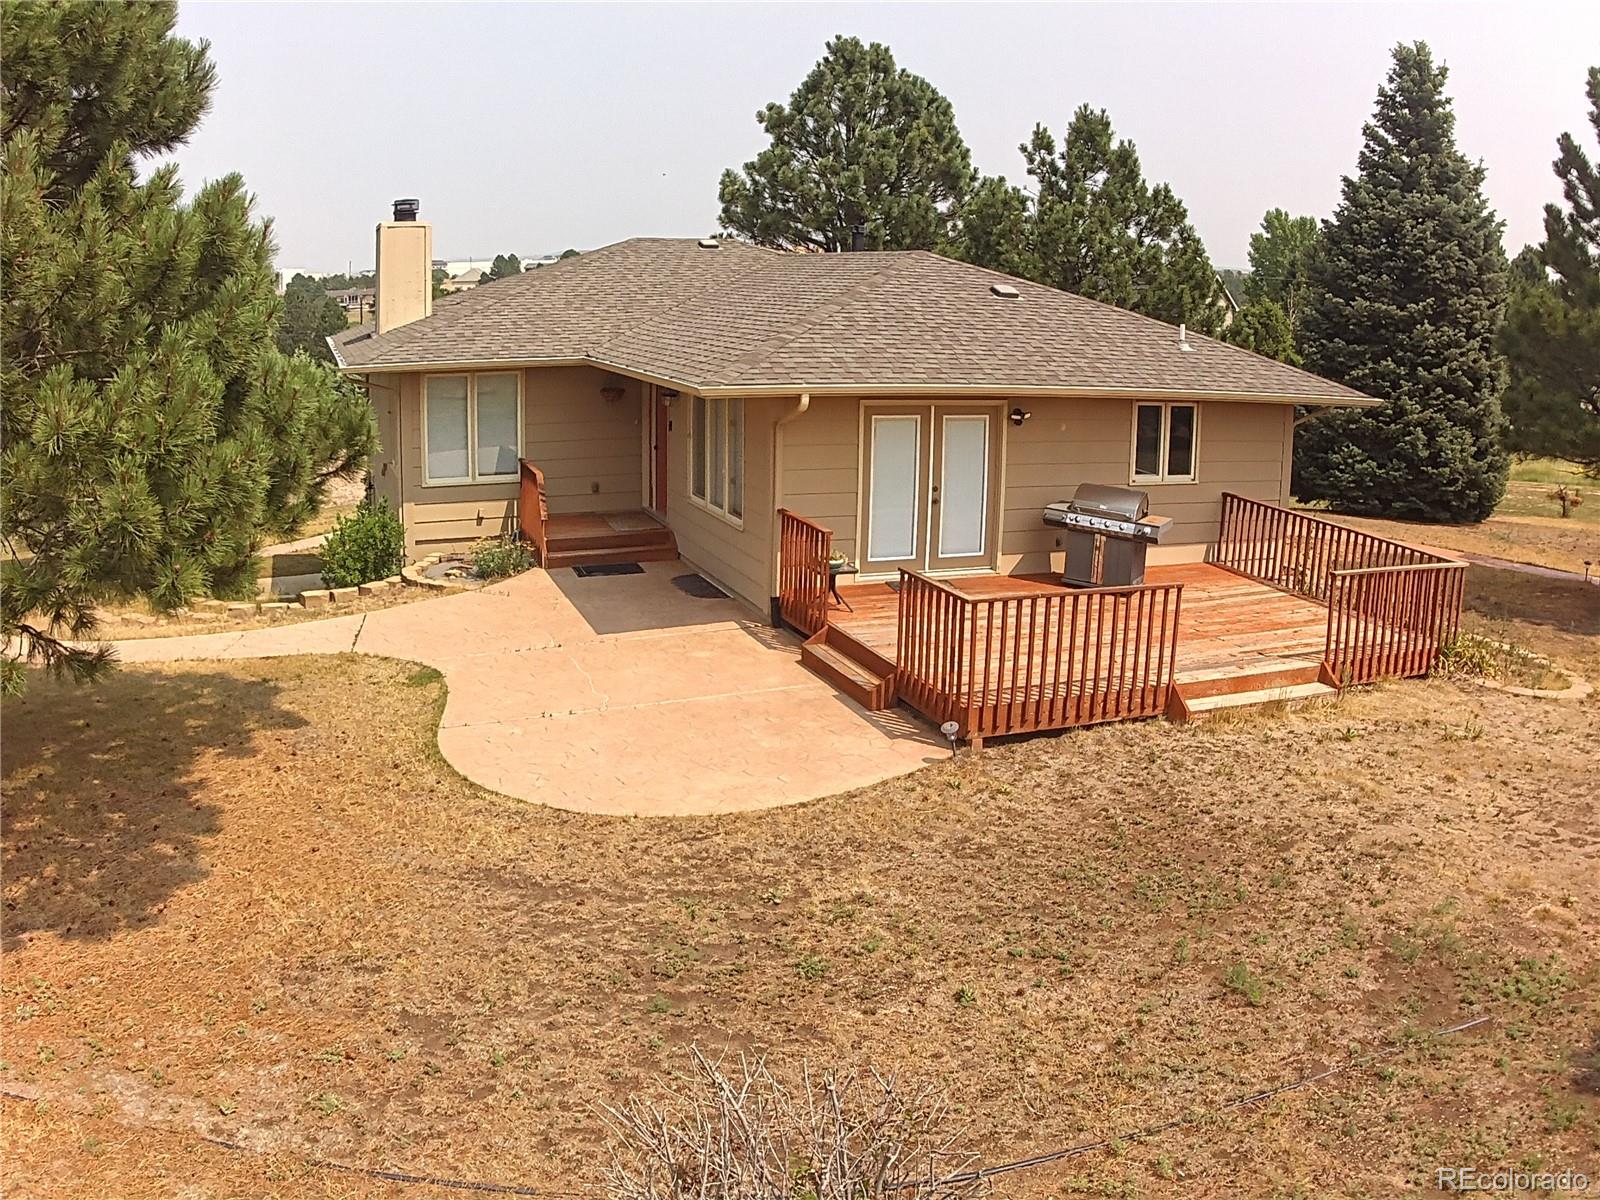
[857,670]
[1290,683]
[601,545]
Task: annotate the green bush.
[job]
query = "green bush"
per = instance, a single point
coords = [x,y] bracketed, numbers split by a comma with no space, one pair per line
[369,544]
[496,558]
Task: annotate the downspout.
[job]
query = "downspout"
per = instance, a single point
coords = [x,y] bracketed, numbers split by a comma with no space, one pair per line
[798,411]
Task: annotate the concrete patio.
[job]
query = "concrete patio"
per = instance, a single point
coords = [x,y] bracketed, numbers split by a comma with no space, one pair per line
[621,695]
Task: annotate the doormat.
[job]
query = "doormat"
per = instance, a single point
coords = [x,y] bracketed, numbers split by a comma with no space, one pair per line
[699,587]
[608,569]
[892,584]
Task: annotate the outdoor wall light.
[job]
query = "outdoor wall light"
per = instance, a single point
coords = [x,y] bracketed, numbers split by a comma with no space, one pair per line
[1019,415]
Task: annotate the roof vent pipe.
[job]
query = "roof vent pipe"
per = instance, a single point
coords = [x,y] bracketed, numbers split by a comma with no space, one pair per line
[1183,340]
[406,210]
[858,238]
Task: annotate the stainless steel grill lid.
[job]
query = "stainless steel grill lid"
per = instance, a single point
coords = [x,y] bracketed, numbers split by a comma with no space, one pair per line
[1107,500]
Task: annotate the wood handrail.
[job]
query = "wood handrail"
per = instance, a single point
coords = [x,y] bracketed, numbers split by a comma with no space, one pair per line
[804,548]
[1391,607]
[1030,661]
[533,509]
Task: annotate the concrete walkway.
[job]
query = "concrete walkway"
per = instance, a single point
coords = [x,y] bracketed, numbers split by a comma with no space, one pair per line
[617,694]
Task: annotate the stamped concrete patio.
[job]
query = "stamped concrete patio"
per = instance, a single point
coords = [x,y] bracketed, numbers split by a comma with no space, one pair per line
[622,694]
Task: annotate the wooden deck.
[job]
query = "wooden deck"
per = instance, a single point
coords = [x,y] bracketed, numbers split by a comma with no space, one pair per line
[1227,623]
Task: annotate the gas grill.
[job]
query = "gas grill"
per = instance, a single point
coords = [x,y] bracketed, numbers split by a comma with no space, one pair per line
[1107,532]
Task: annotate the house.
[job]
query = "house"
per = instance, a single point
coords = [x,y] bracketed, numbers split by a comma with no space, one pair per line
[732,405]
[356,301]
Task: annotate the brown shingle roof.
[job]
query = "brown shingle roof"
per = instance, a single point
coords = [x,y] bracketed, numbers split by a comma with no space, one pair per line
[739,317]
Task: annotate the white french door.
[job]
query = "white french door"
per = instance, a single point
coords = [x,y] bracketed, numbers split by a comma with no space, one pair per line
[930,488]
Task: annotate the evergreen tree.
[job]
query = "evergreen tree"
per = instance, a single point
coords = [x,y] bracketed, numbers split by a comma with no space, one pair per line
[310,316]
[1408,285]
[152,431]
[1280,263]
[1263,327]
[503,265]
[1551,335]
[861,142]
[1095,227]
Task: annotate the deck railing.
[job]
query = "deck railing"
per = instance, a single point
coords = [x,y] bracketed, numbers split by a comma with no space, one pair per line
[533,510]
[1391,607]
[1018,664]
[803,550]
[1391,622]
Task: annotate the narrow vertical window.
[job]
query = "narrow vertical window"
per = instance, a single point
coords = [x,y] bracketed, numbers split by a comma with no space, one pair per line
[448,458]
[717,455]
[496,442]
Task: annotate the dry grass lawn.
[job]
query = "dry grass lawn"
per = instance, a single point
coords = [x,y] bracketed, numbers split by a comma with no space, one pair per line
[249,901]
[1526,528]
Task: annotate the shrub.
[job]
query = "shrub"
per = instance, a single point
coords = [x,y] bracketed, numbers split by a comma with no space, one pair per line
[737,1130]
[496,558]
[369,544]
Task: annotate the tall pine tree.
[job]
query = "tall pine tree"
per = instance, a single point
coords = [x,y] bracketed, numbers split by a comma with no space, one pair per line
[1552,331]
[153,433]
[861,142]
[1407,289]
[1094,227]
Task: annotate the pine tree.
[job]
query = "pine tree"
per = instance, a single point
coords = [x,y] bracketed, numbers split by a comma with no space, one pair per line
[503,265]
[1095,227]
[1551,336]
[1408,285]
[153,433]
[310,315]
[861,142]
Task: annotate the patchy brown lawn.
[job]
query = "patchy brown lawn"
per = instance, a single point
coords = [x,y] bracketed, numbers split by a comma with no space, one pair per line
[250,901]
[138,620]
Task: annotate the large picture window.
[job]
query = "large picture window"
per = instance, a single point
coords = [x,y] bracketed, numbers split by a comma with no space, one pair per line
[471,427]
[1165,442]
[716,454]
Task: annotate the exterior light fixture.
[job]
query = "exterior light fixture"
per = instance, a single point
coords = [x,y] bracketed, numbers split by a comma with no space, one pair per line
[1019,415]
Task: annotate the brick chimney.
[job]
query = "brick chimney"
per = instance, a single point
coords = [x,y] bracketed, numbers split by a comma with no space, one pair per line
[405,268]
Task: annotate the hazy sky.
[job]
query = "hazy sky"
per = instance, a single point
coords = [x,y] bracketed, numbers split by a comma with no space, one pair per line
[530,128]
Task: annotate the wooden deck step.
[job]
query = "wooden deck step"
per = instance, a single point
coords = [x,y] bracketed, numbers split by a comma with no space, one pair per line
[1198,708]
[1248,677]
[856,670]
[561,543]
[604,555]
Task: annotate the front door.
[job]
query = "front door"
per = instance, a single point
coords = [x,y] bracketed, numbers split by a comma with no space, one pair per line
[660,429]
[930,485]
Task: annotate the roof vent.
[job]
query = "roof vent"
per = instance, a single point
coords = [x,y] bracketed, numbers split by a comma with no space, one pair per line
[1004,290]
[406,210]
[709,243]
[1183,340]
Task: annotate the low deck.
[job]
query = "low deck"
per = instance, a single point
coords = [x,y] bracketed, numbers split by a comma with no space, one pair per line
[1226,624]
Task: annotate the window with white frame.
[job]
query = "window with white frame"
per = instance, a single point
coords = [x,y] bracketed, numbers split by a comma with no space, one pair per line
[471,427]
[716,454]
[1165,442]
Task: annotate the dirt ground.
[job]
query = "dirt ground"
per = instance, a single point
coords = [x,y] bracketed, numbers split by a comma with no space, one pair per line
[249,901]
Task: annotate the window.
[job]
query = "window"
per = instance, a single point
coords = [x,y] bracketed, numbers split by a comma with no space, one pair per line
[1165,438]
[716,455]
[471,427]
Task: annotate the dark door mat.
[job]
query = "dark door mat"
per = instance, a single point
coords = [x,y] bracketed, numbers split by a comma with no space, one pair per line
[893,585]
[608,569]
[699,587]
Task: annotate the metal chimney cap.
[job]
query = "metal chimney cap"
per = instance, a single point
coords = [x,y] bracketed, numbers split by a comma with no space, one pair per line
[406,210]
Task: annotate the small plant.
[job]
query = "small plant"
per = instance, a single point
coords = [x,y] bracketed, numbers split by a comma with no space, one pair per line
[1567,498]
[734,1128]
[498,558]
[811,967]
[368,544]
[424,676]
[1240,979]
[966,995]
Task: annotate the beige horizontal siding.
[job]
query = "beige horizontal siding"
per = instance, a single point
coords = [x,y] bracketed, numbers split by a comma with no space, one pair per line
[587,446]
[822,467]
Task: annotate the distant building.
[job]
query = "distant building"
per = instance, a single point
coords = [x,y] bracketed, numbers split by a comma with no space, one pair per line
[356,302]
